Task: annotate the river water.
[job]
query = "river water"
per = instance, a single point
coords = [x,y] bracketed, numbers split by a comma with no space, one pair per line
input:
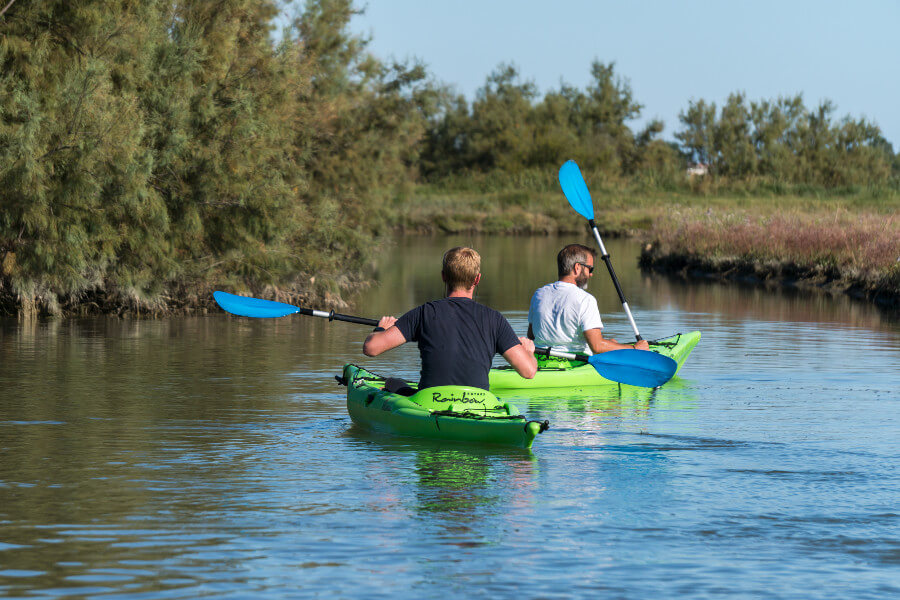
[213,456]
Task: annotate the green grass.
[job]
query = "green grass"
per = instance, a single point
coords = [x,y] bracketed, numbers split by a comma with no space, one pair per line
[847,237]
[619,209]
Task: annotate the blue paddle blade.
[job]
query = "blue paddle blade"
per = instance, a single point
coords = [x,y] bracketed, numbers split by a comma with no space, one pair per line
[634,367]
[575,189]
[253,307]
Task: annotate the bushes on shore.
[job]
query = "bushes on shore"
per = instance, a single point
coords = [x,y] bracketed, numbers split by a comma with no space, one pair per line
[149,150]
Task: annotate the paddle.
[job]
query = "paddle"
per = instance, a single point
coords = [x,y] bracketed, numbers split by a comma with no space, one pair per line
[576,192]
[255,307]
[619,365]
[633,367]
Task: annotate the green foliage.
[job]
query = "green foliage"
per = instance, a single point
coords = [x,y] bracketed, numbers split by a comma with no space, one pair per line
[360,132]
[783,141]
[147,148]
[73,171]
[508,129]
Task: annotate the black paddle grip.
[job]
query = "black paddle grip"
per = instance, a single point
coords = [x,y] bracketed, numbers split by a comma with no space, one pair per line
[612,273]
[333,316]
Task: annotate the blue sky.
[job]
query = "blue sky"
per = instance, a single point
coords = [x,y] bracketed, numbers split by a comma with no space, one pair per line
[671,52]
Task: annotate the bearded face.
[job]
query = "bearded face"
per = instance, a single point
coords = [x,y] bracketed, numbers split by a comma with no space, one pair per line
[581,280]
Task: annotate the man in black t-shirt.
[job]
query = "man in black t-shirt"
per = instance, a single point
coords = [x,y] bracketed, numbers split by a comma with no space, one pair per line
[457,336]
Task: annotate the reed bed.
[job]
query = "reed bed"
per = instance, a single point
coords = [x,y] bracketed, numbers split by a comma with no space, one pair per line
[845,251]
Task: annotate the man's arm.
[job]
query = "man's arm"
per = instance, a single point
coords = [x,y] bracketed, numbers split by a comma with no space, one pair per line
[521,357]
[599,344]
[382,341]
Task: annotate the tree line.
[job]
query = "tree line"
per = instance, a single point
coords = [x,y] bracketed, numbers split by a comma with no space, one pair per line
[150,150]
[508,127]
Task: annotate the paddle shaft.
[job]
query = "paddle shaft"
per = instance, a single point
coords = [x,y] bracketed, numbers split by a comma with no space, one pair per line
[561,354]
[612,273]
[333,316]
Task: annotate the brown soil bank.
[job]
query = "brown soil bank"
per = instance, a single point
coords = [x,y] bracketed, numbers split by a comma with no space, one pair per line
[840,253]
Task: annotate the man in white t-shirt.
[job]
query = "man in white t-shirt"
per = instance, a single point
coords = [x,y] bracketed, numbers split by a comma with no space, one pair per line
[563,316]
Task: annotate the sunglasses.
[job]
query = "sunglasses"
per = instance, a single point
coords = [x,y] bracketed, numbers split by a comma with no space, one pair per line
[590,268]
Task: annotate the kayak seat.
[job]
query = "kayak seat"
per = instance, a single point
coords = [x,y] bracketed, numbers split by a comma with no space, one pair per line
[395,385]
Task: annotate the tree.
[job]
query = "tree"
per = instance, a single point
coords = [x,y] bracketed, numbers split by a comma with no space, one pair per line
[362,120]
[698,136]
[736,155]
[74,176]
[784,141]
[500,135]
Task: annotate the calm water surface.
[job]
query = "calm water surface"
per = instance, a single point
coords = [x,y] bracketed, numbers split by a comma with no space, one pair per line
[213,456]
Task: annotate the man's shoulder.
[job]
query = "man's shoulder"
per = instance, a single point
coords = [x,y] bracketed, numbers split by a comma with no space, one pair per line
[583,297]
[437,304]
[482,311]
[561,288]
[442,305]
[561,292]
[547,289]
[486,309]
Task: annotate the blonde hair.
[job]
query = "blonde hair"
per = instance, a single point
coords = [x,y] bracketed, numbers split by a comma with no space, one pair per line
[460,267]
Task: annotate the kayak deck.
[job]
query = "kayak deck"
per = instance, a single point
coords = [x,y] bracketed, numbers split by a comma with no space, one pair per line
[446,412]
[560,372]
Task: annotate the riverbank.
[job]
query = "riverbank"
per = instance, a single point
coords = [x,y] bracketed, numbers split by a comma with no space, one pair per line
[533,204]
[856,254]
[839,242]
[324,292]
[845,242]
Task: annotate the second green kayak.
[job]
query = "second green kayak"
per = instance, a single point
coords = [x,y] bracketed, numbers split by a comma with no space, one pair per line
[561,373]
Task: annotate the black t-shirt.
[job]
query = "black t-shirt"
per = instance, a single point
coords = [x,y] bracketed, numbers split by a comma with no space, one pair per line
[457,340]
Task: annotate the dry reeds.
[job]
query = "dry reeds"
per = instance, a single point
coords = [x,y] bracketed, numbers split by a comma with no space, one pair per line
[863,242]
[856,253]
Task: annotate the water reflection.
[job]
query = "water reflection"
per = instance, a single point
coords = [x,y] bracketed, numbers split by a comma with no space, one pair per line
[514,268]
[748,301]
[586,413]
[457,480]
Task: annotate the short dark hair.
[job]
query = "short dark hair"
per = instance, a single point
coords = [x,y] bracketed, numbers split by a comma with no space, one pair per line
[569,256]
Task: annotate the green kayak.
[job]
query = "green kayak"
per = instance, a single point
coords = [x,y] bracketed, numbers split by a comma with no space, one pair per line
[561,373]
[465,414]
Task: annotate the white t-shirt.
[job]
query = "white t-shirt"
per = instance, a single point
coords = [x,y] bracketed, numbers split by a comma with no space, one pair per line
[559,315]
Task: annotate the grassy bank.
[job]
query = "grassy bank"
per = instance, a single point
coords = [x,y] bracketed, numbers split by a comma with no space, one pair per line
[841,240]
[534,204]
[857,253]
[844,241]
